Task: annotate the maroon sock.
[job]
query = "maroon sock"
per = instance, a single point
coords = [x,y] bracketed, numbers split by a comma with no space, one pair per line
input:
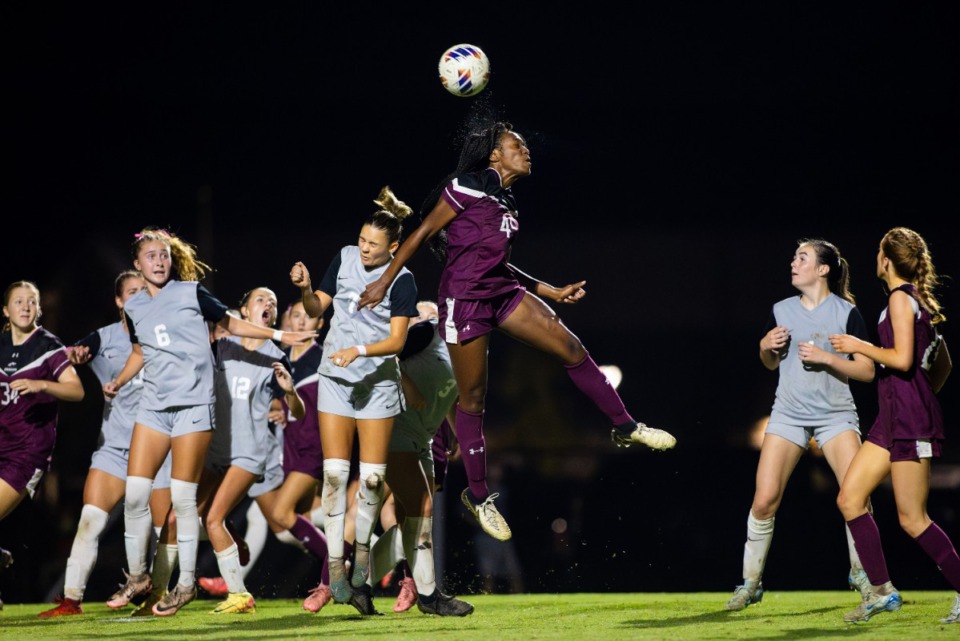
[591,381]
[866,538]
[469,427]
[405,569]
[938,547]
[311,537]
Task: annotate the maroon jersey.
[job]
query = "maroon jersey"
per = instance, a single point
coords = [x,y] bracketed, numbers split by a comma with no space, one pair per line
[908,408]
[30,420]
[301,439]
[479,238]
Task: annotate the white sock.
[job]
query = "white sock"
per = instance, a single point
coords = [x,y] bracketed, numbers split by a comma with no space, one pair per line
[316,515]
[163,563]
[284,536]
[83,555]
[183,495]
[418,545]
[386,553]
[255,536]
[336,474]
[229,563]
[369,499]
[157,529]
[137,523]
[759,537]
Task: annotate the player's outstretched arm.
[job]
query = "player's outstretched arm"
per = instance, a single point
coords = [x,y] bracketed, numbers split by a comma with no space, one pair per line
[567,294]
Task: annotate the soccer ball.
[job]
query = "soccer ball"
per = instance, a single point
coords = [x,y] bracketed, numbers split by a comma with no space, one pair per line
[464,70]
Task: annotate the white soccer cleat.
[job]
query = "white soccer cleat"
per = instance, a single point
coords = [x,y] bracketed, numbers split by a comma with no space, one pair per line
[747,594]
[872,605]
[491,521]
[650,436]
[954,616]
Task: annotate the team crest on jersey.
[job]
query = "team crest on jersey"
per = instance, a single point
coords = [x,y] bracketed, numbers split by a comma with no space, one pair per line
[509,224]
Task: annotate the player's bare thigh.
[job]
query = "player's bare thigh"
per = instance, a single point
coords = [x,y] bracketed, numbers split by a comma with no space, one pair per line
[533,322]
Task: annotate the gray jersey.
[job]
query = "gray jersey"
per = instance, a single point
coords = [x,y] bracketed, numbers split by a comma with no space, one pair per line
[432,373]
[814,395]
[245,386]
[172,330]
[119,413]
[351,326]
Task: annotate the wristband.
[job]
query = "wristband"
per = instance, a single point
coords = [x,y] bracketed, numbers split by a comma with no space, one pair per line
[361,349]
[277,335]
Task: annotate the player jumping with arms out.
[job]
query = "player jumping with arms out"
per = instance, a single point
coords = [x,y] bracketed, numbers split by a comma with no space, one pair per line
[474,211]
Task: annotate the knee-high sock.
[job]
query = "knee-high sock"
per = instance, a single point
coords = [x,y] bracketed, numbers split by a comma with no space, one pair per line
[386,553]
[183,495]
[83,555]
[310,537]
[316,515]
[938,547]
[336,474]
[285,537]
[418,547]
[164,561]
[852,550]
[759,537]
[591,381]
[866,536]
[137,523]
[369,499]
[255,536]
[229,563]
[473,449]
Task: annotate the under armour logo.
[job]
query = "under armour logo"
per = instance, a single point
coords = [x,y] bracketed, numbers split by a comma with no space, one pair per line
[477,451]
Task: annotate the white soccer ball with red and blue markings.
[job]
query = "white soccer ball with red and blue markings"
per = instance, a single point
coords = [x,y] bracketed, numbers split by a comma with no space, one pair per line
[464,70]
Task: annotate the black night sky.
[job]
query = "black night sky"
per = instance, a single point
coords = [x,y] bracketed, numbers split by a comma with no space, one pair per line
[680,151]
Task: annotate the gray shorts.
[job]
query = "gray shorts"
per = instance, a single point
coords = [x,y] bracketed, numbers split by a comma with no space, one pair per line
[273,475]
[800,435]
[178,421]
[114,462]
[409,438]
[357,400]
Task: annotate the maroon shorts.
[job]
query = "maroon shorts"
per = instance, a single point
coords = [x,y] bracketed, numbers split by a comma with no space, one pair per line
[469,318]
[909,450]
[23,466]
[296,458]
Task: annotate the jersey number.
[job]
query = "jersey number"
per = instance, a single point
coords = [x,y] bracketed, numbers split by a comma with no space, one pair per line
[240,387]
[163,338]
[509,224]
[10,395]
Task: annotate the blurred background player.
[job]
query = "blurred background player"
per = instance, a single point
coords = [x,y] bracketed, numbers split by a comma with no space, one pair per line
[35,373]
[431,392]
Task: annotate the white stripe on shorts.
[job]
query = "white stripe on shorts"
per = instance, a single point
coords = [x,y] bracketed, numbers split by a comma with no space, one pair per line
[449,326]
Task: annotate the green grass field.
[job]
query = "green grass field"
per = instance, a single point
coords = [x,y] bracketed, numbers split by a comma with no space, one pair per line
[781,615]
